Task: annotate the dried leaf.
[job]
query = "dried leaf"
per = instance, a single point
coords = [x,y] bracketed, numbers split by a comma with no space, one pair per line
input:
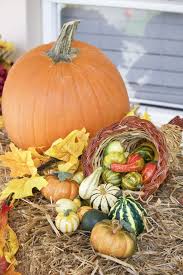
[11,271]
[19,161]
[71,166]
[38,159]
[12,245]
[133,111]
[146,116]
[3,265]
[8,240]
[21,188]
[63,175]
[72,145]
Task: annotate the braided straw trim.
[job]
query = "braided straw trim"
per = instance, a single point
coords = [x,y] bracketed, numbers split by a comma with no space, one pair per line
[130,130]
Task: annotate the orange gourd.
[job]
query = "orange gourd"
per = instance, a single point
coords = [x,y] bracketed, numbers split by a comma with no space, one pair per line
[107,237]
[57,189]
[56,88]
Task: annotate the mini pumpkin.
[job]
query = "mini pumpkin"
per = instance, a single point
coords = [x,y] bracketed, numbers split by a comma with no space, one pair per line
[108,238]
[67,221]
[104,197]
[63,205]
[57,189]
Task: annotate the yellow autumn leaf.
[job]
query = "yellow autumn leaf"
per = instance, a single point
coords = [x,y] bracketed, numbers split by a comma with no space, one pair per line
[133,111]
[8,46]
[11,246]
[72,145]
[70,166]
[21,188]
[38,159]
[19,161]
[146,116]
[1,122]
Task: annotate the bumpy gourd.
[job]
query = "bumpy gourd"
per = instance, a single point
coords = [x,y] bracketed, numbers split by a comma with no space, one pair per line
[113,157]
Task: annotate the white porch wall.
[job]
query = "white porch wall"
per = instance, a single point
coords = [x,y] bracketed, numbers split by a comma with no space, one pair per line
[20,22]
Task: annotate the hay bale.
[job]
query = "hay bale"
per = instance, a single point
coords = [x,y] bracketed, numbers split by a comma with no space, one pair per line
[160,249]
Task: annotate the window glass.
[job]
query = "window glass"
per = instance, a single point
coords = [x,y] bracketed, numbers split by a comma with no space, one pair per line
[146,47]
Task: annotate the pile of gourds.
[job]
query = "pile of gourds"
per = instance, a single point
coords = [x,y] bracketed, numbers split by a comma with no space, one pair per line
[98,203]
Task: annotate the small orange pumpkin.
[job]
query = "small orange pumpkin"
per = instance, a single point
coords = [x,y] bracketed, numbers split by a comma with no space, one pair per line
[107,237]
[59,87]
[57,189]
[82,210]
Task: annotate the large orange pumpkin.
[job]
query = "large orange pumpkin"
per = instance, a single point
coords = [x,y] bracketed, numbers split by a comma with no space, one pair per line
[56,88]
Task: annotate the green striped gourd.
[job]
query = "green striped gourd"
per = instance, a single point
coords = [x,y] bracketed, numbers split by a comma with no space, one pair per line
[130,213]
[104,197]
[111,177]
[132,181]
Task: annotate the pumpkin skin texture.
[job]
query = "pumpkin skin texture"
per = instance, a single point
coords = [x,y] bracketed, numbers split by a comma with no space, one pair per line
[107,239]
[44,100]
[57,189]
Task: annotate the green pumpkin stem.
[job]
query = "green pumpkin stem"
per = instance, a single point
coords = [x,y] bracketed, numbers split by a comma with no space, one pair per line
[61,50]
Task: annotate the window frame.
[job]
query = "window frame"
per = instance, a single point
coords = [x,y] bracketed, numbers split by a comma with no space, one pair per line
[51,22]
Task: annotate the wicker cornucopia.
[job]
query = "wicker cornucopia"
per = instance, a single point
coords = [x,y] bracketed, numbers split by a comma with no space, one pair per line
[130,131]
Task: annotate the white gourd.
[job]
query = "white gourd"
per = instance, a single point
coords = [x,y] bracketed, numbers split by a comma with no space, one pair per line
[104,197]
[67,221]
[63,205]
[89,184]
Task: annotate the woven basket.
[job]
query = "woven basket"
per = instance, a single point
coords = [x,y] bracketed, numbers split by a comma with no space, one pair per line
[131,131]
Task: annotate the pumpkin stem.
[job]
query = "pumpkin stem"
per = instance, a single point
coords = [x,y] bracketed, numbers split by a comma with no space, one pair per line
[116,226]
[61,50]
[67,212]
